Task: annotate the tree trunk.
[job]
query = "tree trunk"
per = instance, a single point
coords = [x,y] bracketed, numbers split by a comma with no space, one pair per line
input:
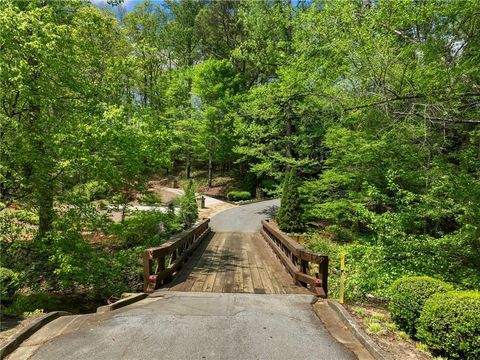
[188,166]
[124,212]
[288,144]
[210,171]
[45,212]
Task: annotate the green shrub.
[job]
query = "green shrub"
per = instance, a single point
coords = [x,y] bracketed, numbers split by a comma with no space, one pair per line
[340,234]
[450,324]
[239,195]
[408,295]
[150,198]
[141,227]
[27,217]
[188,207]
[9,286]
[289,216]
[92,190]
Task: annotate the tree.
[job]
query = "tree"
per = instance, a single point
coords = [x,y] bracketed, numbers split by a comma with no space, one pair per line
[215,85]
[181,36]
[218,28]
[187,142]
[188,206]
[289,216]
[146,27]
[53,78]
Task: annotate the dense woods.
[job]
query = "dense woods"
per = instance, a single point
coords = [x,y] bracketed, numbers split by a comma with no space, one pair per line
[371,108]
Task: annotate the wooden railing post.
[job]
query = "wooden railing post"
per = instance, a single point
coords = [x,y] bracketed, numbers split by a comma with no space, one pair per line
[147,269]
[323,268]
[297,259]
[178,249]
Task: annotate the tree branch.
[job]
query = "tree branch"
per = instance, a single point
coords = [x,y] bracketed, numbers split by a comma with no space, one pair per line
[439,120]
[386,101]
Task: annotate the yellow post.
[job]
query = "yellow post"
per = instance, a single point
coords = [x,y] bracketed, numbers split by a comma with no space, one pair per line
[342,279]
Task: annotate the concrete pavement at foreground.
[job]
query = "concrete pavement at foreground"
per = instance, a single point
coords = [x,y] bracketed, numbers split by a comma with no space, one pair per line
[178,325]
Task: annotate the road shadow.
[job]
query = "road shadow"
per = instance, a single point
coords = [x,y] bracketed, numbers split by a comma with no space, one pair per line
[270,211]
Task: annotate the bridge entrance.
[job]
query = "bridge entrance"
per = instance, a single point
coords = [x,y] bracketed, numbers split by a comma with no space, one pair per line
[234,263]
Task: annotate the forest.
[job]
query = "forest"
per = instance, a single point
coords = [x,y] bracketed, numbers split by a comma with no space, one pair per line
[363,116]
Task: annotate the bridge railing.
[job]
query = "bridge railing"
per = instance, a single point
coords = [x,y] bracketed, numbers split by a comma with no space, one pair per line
[298,261]
[160,263]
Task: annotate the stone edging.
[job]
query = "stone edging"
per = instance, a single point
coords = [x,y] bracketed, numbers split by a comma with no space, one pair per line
[366,341]
[121,303]
[23,335]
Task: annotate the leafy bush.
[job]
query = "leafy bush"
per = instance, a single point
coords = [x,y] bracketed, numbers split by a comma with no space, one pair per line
[450,324]
[239,195]
[141,227]
[289,216]
[9,286]
[150,198]
[408,295]
[27,217]
[340,233]
[188,207]
[92,190]
[269,186]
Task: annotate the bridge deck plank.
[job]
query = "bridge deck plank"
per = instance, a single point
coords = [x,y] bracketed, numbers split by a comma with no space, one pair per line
[234,262]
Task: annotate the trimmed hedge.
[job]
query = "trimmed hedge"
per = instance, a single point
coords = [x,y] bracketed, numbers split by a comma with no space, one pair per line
[408,295]
[9,286]
[450,324]
[239,195]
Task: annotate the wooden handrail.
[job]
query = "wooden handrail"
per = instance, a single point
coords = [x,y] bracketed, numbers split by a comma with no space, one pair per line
[170,256]
[297,260]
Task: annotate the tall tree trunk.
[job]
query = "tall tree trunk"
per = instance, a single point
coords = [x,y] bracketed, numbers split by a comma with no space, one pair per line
[288,143]
[210,171]
[188,167]
[45,212]
[124,213]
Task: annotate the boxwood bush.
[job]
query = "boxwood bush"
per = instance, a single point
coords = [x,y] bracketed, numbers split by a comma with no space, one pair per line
[239,195]
[450,324]
[408,295]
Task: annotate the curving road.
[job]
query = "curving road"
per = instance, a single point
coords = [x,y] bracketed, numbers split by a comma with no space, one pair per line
[245,218]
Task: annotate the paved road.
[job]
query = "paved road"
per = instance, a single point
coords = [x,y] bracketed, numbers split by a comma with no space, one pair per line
[245,218]
[194,325]
[191,326]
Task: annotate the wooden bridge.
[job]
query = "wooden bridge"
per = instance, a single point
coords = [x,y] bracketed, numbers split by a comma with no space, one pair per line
[267,262]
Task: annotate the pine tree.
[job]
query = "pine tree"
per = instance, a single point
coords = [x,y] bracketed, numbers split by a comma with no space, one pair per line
[290,214]
[188,207]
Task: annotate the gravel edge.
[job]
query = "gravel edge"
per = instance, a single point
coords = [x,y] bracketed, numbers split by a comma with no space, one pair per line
[369,344]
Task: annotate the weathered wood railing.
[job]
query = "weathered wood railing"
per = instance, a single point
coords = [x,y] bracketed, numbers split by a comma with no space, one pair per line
[160,263]
[298,261]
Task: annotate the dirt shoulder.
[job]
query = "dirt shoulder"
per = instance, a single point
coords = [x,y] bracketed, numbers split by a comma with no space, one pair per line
[376,322]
